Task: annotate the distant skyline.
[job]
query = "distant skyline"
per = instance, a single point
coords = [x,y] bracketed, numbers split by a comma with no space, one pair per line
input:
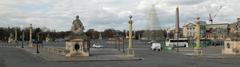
[104,14]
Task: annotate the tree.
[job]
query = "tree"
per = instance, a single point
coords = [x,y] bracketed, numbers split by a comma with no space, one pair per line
[109,33]
[92,34]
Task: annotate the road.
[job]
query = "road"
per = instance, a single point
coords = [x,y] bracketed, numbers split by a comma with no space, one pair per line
[14,57]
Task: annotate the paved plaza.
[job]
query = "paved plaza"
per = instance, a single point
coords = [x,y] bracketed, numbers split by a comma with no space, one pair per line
[14,56]
[119,33]
[97,54]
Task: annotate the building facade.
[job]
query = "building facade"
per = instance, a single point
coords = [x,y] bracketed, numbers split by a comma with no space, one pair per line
[216,31]
[235,27]
[234,30]
[208,31]
[189,29]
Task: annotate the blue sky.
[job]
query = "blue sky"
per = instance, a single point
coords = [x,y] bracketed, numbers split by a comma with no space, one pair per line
[103,14]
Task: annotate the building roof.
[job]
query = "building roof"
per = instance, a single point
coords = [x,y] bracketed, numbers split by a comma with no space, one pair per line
[218,24]
[221,25]
[188,24]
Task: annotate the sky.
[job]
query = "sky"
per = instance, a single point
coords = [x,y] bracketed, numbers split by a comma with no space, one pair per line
[104,14]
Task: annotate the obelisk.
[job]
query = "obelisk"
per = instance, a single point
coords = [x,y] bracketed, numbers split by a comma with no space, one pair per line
[177,26]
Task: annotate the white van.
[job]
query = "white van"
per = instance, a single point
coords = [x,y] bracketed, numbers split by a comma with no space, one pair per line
[156,46]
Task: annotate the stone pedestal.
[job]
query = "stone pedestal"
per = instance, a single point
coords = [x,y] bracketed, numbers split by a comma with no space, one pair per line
[231,47]
[198,52]
[77,46]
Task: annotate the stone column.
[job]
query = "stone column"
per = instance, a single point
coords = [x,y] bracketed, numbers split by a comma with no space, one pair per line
[30,36]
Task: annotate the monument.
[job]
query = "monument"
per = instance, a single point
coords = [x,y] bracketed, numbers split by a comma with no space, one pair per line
[11,38]
[231,46]
[77,43]
[48,38]
[232,42]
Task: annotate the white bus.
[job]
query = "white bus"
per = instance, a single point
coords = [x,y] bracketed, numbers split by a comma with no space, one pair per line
[177,43]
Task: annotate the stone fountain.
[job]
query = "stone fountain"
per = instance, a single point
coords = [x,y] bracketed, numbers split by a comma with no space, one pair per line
[77,43]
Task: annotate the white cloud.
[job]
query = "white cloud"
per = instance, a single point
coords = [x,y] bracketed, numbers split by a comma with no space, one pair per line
[102,14]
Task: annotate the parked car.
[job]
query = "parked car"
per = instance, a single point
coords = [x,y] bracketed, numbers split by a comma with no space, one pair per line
[156,46]
[97,46]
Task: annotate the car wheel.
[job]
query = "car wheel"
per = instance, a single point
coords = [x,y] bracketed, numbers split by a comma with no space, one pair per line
[159,50]
[154,49]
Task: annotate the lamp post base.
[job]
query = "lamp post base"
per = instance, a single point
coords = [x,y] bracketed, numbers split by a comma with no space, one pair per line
[130,52]
[37,49]
[198,52]
[30,44]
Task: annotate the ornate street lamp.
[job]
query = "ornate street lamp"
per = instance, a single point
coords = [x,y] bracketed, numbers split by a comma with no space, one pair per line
[130,37]
[197,48]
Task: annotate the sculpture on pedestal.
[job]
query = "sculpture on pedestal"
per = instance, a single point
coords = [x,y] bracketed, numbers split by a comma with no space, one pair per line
[48,38]
[77,43]
[10,38]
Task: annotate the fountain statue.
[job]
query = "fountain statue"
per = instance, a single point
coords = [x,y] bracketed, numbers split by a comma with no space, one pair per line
[77,43]
[77,26]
